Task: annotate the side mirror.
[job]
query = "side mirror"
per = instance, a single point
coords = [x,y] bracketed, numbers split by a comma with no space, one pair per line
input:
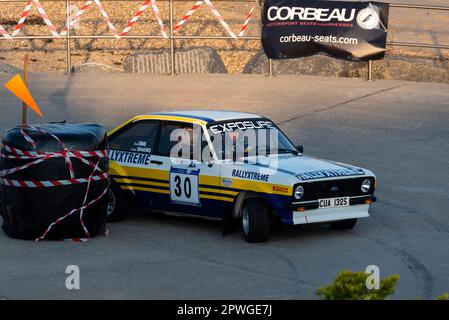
[300,148]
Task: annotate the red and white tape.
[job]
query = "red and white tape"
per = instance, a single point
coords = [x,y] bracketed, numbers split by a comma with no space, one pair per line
[76,17]
[96,175]
[50,183]
[23,16]
[220,18]
[214,11]
[106,18]
[143,7]
[47,21]
[136,17]
[20,154]
[42,13]
[4,33]
[81,209]
[74,20]
[247,20]
[159,18]
[187,16]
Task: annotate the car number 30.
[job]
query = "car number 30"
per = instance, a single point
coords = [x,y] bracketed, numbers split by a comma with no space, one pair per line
[187,187]
[184,188]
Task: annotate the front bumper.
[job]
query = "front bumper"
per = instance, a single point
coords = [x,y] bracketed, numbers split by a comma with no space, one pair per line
[311,213]
[330,214]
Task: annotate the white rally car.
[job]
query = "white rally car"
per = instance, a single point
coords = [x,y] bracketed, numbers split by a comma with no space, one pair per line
[232,166]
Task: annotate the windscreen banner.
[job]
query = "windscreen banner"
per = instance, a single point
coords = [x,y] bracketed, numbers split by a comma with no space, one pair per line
[346,30]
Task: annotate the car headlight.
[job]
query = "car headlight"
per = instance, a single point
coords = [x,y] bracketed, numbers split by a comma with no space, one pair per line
[299,192]
[366,185]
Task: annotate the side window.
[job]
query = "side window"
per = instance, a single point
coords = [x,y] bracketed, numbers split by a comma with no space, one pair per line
[138,137]
[184,136]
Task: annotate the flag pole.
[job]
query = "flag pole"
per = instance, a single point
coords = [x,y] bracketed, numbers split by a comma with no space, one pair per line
[25,79]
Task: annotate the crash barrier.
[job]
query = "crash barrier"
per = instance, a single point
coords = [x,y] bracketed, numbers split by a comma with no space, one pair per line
[54,178]
[174,25]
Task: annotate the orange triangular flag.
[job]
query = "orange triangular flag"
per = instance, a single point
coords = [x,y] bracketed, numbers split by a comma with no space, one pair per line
[18,87]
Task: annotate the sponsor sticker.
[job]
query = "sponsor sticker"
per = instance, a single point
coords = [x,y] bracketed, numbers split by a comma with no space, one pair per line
[241,125]
[250,175]
[141,146]
[226,182]
[124,157]
[330,173]
[280,189]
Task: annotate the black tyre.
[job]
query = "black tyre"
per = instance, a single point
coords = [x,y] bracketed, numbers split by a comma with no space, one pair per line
[344,224]
[117,205]
[255,220]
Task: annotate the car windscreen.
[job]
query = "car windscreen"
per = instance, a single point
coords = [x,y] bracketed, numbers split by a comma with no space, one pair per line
[243,138]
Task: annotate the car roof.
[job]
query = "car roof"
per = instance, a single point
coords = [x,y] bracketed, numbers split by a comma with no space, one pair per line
[209,115]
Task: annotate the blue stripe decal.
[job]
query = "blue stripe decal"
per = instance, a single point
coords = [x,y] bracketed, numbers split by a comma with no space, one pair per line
[138,178]
[219,187]
[277,169]
[142,185]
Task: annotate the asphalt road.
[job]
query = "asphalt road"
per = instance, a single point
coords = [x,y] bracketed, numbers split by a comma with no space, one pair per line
[398,129]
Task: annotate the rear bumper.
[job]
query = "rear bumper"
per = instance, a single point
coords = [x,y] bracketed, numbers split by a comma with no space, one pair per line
[331,214]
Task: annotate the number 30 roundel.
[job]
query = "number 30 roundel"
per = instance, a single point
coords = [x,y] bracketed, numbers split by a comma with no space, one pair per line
[184,186]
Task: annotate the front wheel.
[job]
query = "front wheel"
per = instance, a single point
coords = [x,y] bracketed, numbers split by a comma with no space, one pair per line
[117,207]
[255,220]
[344,224]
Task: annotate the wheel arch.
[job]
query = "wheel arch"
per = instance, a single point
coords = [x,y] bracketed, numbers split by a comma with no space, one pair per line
[236,212]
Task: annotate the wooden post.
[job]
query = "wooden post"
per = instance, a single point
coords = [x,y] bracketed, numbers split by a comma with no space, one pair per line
[25,79]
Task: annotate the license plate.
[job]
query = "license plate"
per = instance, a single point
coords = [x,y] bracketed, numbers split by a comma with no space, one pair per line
[334,202]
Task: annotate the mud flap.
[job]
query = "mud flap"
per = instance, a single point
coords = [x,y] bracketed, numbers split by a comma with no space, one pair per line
[228,223]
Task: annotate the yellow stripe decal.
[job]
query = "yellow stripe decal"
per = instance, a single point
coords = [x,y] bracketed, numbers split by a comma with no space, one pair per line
[202,196]
[115,169]
[240,184]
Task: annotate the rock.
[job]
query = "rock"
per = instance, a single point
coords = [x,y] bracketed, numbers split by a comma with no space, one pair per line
[392,67]
[6,68]
[196,60]
[93,67]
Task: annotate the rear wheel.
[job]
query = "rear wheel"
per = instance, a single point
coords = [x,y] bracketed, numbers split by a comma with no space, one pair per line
[117,206]
[344,224]
[255,220]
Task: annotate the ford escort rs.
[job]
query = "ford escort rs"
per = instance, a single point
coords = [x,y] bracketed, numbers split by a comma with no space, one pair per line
[234,166]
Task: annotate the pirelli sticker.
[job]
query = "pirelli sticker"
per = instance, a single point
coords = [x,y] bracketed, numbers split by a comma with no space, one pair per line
[280,189]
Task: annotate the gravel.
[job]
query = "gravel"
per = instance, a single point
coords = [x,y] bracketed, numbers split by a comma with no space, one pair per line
[50,55]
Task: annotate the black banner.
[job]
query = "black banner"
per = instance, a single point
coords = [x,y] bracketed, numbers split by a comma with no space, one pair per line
[227,309]
[345,30]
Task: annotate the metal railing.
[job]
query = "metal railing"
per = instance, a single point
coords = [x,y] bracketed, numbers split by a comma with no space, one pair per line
[171,37]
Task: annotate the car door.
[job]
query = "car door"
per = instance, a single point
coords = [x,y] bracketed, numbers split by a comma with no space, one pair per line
[193,183]
[132,160]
